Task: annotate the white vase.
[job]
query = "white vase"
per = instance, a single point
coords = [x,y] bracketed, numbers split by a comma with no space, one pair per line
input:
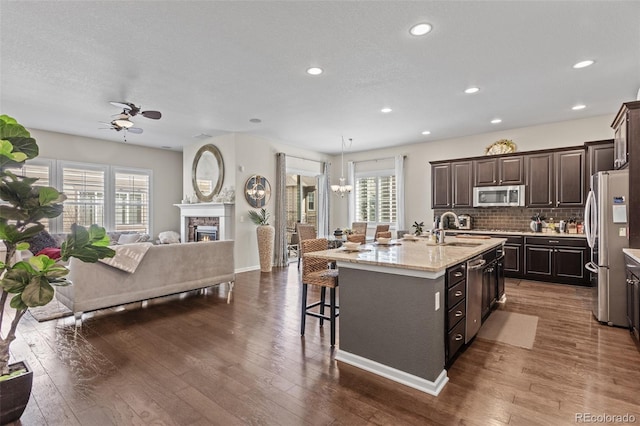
[266,236]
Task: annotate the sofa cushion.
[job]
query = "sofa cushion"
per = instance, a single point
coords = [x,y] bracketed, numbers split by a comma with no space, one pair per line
[128,238]
[40,241]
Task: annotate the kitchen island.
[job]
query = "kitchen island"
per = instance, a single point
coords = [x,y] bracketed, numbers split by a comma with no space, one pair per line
[392,307]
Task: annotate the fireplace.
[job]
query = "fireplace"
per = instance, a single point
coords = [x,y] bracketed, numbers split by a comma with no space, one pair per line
[206,233]
[197,215]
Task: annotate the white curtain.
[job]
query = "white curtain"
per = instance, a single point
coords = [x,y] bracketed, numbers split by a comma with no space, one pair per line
[323,201]
[351,180]
[280,246]
[399,160]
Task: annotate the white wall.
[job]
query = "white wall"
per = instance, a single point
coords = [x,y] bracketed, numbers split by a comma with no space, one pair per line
[418,170]
[245,155]
[166,166]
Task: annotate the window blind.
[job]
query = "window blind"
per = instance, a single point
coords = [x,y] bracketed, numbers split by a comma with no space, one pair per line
[131,202]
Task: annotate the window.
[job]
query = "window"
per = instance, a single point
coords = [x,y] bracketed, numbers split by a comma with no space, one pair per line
[375,198]
[113,197]
[131,201]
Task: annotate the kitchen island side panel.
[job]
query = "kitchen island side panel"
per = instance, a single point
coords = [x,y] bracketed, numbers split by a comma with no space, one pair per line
[391,319]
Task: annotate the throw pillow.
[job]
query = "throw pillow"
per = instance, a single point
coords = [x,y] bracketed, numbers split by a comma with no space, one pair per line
[41,240]
[169,237]
[128,238]
[144,238]
[50,252]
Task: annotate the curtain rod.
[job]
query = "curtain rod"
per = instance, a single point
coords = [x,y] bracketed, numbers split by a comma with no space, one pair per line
[302,158]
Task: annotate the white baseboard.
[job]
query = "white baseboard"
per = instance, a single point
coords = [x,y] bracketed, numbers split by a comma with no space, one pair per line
[247,269]
[424,385]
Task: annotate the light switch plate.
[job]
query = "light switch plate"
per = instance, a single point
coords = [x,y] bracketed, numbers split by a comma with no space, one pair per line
[622,232]
[437,300]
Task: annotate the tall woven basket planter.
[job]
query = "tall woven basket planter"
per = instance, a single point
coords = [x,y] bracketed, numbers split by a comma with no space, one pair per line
[266,236]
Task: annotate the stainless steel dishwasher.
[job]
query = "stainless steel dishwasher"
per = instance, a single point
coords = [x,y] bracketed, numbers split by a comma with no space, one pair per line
[474,297]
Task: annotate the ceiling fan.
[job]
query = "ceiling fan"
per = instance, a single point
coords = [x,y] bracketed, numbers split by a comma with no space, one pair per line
[131,110]
[117,126]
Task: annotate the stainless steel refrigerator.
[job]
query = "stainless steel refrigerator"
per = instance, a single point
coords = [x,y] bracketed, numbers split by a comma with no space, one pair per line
[606,229]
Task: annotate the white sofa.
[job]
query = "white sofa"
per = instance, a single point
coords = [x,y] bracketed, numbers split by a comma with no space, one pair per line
[165,269]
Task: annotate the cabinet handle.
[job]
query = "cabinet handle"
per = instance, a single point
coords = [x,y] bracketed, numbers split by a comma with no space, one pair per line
[458,293]
[458,337]
[457,274]
[554,241]
[458,313]
[550,202]
[500,181]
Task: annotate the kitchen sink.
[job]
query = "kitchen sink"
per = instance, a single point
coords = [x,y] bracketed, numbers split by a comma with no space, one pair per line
[461,244]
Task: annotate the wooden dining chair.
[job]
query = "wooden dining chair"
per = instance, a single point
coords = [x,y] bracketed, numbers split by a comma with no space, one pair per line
[385,234]
[305,232]
[317,272]
[359,228]
[401,233]
[380,228]
[357,238]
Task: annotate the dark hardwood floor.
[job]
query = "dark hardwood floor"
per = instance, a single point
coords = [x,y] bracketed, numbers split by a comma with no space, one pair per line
[197,360]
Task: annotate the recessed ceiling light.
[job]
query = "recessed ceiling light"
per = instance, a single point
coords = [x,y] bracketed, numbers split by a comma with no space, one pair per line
[583,64]
[426,132]
[496,121]
[255,120]
[578,107]
[314,71]
[472,90]
[386,110]
[420,29]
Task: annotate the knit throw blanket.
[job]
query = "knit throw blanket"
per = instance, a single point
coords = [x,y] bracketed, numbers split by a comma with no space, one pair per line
[128,256]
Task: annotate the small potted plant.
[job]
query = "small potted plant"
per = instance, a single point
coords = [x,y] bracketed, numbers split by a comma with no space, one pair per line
[30,283]
[418,227]
[266,236]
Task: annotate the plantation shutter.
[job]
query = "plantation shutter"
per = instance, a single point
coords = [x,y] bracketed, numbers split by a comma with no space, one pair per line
[132,202]
[85,189]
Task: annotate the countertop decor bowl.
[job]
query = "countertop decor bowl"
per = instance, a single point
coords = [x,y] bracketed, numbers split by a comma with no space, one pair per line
[349,245]
[383,240]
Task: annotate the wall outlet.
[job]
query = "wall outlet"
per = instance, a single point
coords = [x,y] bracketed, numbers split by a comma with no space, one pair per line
[437,300]
[622,231]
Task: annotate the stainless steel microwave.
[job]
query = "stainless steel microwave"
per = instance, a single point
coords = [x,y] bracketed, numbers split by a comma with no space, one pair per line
[498,196]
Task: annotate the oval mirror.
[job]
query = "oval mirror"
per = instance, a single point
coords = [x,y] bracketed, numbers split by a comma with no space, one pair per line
[257,191]
[207,174]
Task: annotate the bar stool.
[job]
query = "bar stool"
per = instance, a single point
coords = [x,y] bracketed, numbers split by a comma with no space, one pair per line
[384,234]
[316,272]
[357,238]
[380,228]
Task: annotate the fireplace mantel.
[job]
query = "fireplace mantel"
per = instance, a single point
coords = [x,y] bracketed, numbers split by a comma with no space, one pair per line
[223,211]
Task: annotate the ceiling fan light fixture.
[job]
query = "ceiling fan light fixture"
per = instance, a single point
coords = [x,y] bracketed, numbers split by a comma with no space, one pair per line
[123,122]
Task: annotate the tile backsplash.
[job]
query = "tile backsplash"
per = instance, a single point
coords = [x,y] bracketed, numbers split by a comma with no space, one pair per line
[511,218]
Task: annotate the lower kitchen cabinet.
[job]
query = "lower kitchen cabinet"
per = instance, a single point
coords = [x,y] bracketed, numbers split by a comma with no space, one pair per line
[489,282]
[633,296]
[513,262]
[455,304]
[556,259]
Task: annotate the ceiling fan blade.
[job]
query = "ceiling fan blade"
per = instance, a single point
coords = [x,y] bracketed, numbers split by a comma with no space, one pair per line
[155,115]
[123,105]
[136,130]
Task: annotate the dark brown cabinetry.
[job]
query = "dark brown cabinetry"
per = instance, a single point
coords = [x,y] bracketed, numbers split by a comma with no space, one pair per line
[633,296]
[461,174]
[626,128]
[540,180]
[499,171]
[556,259]
[556,179]
[513,250]
[600,157]
[489,282]
[451,185]
[456,283]
[441,185]
[570,178]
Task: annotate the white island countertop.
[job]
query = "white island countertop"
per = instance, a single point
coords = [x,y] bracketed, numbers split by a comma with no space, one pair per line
[633,253]
[419,254]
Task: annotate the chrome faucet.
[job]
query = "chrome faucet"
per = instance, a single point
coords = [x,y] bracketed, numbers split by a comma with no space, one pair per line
[441,225]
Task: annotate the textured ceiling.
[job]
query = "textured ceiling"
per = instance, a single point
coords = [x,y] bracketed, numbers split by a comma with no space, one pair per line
[210,66]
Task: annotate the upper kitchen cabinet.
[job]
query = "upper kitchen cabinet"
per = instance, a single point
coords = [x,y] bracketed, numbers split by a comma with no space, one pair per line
[441,185]
[570,178]
[600,157]
[451,184]
[540,180]
[461,174]
[626,128]
[507,170]
[556,179]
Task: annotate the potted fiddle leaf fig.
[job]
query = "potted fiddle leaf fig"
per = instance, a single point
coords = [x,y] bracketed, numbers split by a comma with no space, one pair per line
[266,236]
[28,284]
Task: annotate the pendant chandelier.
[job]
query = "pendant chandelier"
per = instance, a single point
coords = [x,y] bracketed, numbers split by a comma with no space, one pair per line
[342,188]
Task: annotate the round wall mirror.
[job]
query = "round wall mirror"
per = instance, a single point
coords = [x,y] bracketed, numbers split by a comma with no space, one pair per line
[207,174]
[257,191]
